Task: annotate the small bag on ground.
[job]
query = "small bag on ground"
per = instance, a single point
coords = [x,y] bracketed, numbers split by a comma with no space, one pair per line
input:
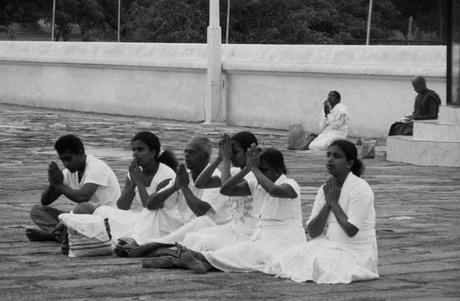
[89,235]
[367,149]
[297,137]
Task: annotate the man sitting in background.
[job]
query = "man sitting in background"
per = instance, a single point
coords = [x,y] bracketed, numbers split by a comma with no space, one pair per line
[426,107]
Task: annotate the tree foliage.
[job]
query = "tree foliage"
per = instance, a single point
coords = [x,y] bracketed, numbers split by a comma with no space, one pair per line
[252,21]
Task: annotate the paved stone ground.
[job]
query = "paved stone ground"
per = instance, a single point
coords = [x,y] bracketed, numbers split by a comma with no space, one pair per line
[417,220]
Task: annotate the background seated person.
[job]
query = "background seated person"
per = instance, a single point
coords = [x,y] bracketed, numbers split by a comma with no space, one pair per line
[426,107]
[333,124]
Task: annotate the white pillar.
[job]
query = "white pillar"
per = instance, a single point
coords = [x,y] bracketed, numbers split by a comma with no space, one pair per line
[118,20]
[369,21]
[52,20]
[214,102]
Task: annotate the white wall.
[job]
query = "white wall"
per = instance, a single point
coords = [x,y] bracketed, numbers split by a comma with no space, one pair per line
[277,85]
[153,80]
[265,85]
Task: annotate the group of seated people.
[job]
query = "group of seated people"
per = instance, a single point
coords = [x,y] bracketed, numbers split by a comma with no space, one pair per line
[237,213]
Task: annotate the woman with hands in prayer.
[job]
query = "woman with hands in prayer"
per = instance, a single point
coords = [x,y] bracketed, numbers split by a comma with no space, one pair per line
[138,216]
[343,246]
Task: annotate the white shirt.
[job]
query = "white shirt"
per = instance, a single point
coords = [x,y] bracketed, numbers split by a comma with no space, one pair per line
[99,173]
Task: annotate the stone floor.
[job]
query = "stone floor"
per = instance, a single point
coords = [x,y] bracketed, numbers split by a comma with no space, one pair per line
[417,220]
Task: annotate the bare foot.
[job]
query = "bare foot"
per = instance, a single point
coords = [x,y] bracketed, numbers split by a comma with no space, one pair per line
[39,235]
[144,250]
[127,240]
[164,262]
[135,251]
[188,260]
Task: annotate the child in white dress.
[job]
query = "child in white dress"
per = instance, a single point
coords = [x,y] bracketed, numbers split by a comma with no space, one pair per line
[279,225]
[343,247]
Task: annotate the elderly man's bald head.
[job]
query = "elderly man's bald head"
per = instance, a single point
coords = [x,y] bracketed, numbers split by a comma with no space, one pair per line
[197,154]
[203,144]
[419,84]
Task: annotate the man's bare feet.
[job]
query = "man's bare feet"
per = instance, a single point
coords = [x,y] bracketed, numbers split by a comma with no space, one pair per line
[39,235]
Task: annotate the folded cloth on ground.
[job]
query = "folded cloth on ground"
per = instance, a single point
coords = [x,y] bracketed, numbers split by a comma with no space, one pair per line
[88,235]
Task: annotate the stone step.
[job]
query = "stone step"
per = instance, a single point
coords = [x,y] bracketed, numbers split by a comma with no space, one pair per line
[436,131]
[449,114]
[407,149]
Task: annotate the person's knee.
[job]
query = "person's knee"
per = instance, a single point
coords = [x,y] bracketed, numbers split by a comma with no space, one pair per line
[36,211]
[84,208]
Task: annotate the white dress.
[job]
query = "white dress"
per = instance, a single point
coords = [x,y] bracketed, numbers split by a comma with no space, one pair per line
[215,215]
[334,126]
[334,257]
[279,228]
[145,225]
[244,212]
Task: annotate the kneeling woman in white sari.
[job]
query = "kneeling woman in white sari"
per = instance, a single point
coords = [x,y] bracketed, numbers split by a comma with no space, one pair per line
[148,172]
[279,221]
[333,124]
[342,227]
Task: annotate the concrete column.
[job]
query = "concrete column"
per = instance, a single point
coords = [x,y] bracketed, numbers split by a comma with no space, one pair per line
[214,103]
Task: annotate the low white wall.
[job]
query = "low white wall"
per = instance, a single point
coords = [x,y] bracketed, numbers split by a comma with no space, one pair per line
[153,80]
[277,85]
[265,85]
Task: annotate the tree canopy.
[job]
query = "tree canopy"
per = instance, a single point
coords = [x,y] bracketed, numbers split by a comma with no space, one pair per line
[251,21]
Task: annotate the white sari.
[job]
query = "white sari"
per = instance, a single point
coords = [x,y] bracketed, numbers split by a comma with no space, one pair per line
[145,225]
[334,126]
[334,257]
[243,211]
[279,227]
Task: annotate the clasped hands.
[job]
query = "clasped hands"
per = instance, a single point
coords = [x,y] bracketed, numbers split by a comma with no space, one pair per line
[55,175]
[182,178]
[253,157]
[135,173]
[327,107]
[331,191]
[225,147]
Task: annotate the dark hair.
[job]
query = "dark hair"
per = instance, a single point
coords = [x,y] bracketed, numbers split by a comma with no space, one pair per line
[244,139]
[275,158]
[166,157]
[336,94]
[351,153]
[69,143]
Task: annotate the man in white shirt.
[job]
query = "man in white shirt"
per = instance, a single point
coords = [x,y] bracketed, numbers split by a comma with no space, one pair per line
[86,180]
